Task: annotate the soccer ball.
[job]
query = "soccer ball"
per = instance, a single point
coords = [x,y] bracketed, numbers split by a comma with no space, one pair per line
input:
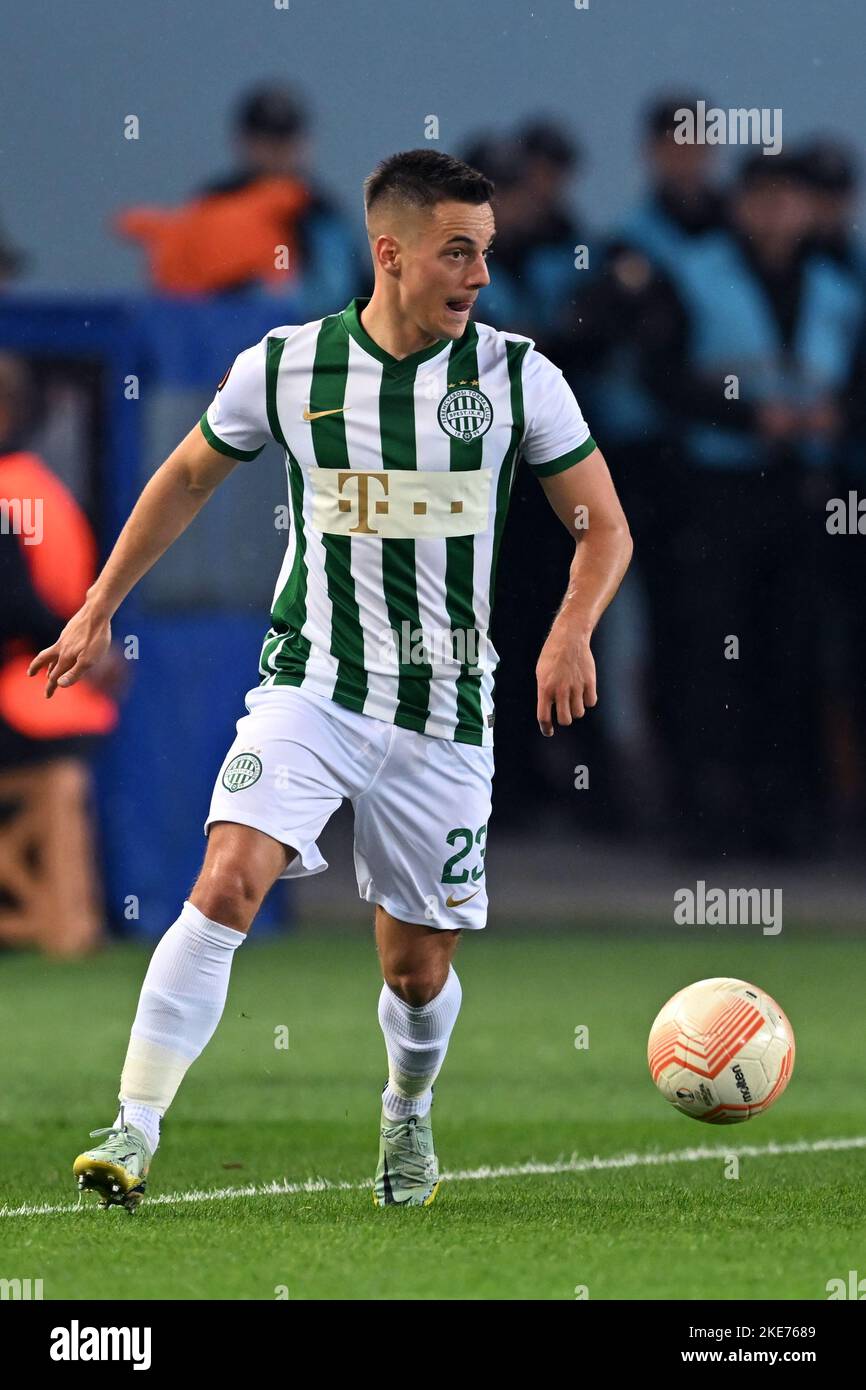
[721,1050]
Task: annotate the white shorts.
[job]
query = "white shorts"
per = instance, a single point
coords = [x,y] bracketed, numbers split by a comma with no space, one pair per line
[421,804]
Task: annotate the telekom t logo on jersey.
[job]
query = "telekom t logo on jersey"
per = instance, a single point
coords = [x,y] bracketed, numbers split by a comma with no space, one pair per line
[400,503]
[382,506]
[362,499]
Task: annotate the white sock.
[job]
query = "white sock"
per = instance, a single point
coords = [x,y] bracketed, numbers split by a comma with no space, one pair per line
[181,1003]
[416,1040]
[143,1117]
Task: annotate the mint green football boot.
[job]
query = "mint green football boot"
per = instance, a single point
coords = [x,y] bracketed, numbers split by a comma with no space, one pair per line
[117,1169]
[408,1171]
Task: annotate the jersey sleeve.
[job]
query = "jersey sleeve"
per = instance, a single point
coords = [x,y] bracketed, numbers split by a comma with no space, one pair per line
[236,421]
[556,434]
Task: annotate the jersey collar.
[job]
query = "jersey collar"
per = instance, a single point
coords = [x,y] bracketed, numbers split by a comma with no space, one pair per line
[350,317]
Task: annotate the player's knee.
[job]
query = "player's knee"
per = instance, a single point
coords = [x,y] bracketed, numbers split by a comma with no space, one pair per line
[228,893]
[417,986]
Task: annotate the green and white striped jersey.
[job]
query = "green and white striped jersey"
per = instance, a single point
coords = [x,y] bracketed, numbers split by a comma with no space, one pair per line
[399,474]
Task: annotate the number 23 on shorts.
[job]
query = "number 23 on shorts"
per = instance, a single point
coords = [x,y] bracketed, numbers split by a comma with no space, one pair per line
[464,840]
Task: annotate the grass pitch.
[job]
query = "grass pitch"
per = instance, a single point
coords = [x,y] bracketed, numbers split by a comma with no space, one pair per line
[514,1091]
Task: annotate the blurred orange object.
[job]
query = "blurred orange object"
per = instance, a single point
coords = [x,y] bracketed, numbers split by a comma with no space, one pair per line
[221,240]
[62,566]
[50,890]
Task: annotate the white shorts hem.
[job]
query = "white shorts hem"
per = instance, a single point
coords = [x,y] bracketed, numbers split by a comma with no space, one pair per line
[308,858]
[405,914]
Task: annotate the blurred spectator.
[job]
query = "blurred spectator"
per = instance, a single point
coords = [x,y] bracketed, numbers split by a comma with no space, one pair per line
[612,331]
[847,615]
[553,235]
[682,199]
[607,344]
[830,171]
[48,886]
[49,562]
[504,302]
[754,358]
[552,160]
[537,234]
[229,238]
[12,261]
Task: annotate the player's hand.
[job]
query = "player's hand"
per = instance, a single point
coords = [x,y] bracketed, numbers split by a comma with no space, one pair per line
[566,680]
[81,645]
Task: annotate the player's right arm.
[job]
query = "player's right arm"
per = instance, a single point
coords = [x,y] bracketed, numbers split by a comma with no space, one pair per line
[171,499]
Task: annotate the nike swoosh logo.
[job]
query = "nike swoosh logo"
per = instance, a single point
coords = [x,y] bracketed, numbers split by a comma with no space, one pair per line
[317,414]
[458,902]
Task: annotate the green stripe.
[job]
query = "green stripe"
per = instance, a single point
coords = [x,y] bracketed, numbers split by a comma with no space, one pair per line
[515,353]
[228,449]
[271,642]
[289,612]
[328,392]
[397,434]
[272,372]
[559,465]
[460,550]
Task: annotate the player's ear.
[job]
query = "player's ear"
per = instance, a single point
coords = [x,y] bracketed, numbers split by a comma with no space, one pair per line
[387,253]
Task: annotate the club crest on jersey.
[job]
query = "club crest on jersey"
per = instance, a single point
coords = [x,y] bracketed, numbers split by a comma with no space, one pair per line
[465,413]
[242,771]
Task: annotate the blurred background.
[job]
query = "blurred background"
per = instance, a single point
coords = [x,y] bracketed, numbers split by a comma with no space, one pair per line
[707,304]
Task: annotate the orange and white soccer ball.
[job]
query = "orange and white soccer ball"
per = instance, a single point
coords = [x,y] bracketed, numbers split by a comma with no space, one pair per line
[721,1050]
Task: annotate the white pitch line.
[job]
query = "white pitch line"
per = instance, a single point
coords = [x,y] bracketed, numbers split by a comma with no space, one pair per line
[515,1170]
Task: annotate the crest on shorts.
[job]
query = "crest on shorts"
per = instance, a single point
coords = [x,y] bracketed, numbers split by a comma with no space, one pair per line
[465,413]
[242,771]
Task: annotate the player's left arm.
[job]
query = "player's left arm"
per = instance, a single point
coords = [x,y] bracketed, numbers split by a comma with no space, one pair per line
[584,498]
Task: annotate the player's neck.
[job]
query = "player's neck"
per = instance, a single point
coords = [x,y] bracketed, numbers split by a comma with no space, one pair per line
[390,328]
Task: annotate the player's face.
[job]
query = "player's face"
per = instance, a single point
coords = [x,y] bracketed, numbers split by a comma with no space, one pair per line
[445,266]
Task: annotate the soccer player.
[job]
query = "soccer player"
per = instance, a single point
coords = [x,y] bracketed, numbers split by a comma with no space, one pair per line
[402,421]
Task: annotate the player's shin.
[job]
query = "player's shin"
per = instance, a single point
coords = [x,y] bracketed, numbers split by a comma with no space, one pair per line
[416,1040]
[181,1003]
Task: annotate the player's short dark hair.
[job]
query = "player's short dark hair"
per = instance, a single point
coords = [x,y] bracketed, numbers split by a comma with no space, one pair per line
[422,178]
